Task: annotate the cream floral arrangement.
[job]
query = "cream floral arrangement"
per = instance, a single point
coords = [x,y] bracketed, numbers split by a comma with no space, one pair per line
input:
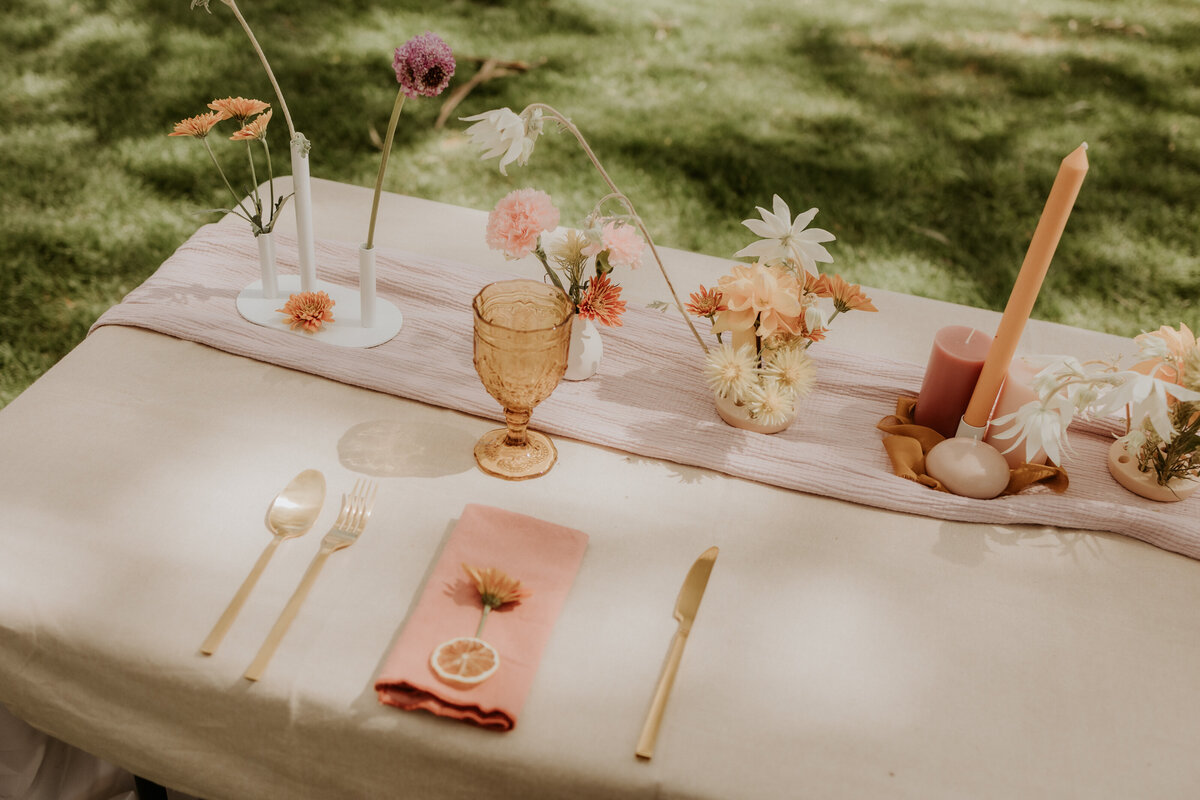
[773,310]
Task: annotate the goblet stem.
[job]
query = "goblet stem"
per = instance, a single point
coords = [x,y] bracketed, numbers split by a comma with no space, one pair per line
[517,422]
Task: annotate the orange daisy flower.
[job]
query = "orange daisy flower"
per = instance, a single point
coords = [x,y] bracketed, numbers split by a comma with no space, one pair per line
[847,296]
[602,302]
[199,125]
[495,587]
[817,284]
[254,130]
[706,302]
[239,108]
[814,335]
[308,310]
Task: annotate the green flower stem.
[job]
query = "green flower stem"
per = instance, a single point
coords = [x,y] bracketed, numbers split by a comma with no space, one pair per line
[482,620]
[217,164]
[266,65]
[254,181]
[541,255]
[387,148]
[566,123]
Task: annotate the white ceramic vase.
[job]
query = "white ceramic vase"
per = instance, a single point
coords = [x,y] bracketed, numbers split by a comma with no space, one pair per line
[266,260]
[583,357]
[739,416]
[366,284]
[302,202]
[1124,468]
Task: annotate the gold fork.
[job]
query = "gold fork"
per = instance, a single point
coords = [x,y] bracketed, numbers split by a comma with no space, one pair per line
[356,510]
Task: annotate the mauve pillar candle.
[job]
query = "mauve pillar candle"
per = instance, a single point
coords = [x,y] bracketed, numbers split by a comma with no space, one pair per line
[954,366]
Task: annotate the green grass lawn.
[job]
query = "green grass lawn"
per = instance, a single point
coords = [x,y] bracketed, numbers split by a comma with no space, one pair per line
[928,133]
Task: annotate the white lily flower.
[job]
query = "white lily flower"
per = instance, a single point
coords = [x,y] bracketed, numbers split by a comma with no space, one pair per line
[1153,347]
[1134,441]
[502,132]
[1042,426]
[1083,395]
[785,239]
[1046,381]
[1148,398]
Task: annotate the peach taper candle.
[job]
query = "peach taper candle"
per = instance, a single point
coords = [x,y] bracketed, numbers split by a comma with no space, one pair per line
[1029,282]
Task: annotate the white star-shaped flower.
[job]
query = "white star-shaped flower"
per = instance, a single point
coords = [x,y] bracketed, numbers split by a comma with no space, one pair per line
[785,239]
[502,132]
[1042,425]
[1147,398]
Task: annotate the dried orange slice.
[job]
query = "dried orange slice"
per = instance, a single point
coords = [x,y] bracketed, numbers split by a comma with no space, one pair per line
[465,661]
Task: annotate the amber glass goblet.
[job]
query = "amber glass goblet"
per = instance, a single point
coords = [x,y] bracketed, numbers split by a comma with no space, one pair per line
[522,330]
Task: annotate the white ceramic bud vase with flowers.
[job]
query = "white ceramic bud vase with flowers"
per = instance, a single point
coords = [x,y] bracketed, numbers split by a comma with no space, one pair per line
[307,311]
[585,351]
[772,312]
[1159,397]
[251,118]
[614,240]
[578,261]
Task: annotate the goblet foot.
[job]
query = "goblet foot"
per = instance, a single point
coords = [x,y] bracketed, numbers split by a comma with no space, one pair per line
[515,462]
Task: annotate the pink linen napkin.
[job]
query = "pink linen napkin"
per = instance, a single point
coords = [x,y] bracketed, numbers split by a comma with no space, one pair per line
[545,557]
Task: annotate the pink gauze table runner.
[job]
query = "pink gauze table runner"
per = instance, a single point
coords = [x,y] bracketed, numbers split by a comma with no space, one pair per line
[649,397]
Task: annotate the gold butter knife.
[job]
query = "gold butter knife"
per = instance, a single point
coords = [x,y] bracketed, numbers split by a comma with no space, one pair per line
[686,607]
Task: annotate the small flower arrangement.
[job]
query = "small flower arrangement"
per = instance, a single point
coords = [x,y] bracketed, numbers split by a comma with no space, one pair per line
[1160,397]
[240,110]
[512,136]
[773,313]
[578,260]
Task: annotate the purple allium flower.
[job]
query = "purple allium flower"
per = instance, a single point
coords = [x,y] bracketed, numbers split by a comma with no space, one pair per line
[424,65]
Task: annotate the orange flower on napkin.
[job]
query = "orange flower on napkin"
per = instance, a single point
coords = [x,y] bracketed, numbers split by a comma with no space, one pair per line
[308,310]
[546,556]
[495,587]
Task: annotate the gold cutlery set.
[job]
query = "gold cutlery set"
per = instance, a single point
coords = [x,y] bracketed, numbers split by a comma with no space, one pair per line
[292,514]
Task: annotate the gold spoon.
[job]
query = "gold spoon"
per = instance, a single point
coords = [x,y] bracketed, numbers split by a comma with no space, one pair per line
[292,513]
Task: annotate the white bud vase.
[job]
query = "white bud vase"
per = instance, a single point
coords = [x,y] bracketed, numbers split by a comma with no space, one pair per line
[266,260]
[583,357]
[302,203]
[1124,468]
[366,284]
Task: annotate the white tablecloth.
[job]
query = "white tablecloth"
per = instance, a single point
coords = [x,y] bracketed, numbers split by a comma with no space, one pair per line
[840,651]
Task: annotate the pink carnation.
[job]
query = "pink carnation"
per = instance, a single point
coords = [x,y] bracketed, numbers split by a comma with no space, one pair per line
[518,220]
[623,244]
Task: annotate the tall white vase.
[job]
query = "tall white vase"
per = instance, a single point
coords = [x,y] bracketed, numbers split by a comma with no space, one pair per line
[266,260]
[303,202]
[366,284]
[583,357]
